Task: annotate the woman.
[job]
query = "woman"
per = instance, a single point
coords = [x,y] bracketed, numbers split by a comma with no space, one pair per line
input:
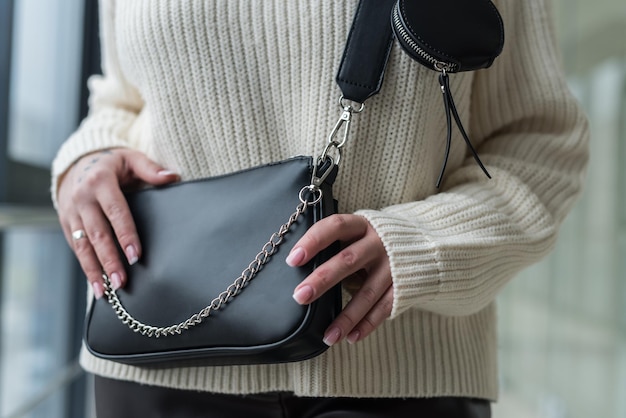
[196,88]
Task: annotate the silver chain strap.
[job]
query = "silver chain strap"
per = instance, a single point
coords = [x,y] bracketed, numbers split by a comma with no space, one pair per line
[267,251]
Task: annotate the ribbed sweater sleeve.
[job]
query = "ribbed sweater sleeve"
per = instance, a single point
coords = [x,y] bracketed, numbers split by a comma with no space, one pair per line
[113,105]
[452,252]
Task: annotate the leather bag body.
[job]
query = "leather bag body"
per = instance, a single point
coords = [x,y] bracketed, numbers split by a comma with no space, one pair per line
[199,236]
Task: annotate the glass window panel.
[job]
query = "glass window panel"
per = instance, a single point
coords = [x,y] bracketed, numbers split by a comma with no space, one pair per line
[35,317]
[45,74]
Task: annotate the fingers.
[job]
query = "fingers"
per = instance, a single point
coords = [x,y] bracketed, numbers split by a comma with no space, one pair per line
[373,302]
[346,228]
[86,258]
[142,168]
[91,200]
[113,205]
[94,245]
[102,243]
[348,261]
[97,203]
[369,308]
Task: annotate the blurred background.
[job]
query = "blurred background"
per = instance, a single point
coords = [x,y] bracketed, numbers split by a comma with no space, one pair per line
[562,322]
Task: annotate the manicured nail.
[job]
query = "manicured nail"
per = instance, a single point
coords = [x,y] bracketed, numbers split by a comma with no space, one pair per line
[295,257]
[332,336]
[165,173]
[98,290]
[353,336]
[131,254]
[116,281]
[303,295]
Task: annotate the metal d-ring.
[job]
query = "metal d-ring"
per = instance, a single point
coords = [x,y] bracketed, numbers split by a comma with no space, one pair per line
[313,190]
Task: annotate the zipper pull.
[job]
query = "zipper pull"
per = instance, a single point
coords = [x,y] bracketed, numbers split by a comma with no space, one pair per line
[450,109]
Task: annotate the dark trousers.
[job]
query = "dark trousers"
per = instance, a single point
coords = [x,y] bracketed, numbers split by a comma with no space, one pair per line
[120,399]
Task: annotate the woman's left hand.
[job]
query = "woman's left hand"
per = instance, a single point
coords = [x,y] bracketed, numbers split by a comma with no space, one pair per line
[363,252]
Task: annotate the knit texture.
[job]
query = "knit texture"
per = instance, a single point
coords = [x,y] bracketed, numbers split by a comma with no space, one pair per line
[210,87]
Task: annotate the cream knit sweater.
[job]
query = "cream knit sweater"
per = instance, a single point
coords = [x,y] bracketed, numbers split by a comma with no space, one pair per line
[208,87]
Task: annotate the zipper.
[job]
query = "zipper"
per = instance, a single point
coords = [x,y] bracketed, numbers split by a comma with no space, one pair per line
[406,38]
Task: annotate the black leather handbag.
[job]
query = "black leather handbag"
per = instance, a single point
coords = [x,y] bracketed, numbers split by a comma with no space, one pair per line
[212,287]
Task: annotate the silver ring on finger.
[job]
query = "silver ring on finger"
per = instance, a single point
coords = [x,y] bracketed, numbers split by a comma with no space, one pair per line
[78,234]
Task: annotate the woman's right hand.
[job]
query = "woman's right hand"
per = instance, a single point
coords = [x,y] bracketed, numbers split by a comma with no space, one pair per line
[94,214]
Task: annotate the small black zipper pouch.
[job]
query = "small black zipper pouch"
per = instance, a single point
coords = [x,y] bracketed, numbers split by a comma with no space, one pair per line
[449,36]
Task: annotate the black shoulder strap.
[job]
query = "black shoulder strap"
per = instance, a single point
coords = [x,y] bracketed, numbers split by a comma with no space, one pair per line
[362,67]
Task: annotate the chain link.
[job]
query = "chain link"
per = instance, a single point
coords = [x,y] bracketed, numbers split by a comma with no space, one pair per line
[266,253]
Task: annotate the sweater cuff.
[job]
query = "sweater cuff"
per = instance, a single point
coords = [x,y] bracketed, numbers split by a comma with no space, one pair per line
[412,258]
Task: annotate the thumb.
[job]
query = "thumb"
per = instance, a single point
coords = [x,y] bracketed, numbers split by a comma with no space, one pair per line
[140,167]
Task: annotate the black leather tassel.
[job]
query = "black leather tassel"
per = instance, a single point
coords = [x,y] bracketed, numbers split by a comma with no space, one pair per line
[451,112]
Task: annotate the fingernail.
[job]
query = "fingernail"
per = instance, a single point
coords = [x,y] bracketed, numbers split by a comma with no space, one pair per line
[131,254]
[332,336]
[303,295]
[353,337]
[98,290]
[116,281]
[166,173]
[295,257]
